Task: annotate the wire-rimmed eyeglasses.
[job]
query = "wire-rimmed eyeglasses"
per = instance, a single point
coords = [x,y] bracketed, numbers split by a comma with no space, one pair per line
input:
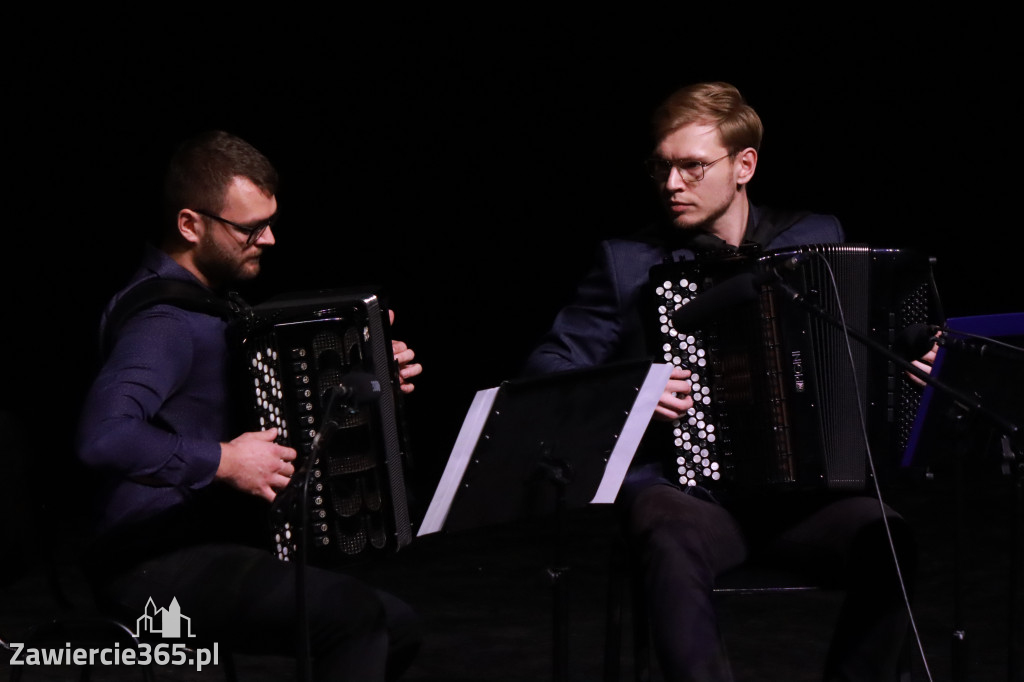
[689,170]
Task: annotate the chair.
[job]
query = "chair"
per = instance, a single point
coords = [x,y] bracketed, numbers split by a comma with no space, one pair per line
[624,582]
[40,569]
[44,569]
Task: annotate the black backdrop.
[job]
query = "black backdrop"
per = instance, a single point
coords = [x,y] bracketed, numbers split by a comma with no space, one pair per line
[472,166]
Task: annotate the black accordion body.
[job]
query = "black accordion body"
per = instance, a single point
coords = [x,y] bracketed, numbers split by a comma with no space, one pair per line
[779,392]
[347,496]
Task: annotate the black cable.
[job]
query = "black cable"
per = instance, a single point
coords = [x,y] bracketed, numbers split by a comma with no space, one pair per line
[305,658]
[799,298]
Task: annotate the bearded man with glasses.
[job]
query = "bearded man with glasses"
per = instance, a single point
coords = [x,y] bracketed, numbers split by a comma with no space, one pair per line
[182,494]
[706,141]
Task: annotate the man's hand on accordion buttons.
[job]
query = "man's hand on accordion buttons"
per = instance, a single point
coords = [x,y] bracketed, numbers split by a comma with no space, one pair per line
[676,400]
[404,356]
[924,363]
[255,464]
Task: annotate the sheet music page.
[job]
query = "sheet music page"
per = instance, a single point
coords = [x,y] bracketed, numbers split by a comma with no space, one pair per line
[633,430]
[454,470]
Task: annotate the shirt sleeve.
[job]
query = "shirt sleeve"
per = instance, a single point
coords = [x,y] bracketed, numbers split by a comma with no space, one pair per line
[126,424]
[586,332]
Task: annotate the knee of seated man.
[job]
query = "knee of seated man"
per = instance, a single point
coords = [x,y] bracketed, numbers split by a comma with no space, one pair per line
[878,540]
[663,517]
[346,606]
[873,533]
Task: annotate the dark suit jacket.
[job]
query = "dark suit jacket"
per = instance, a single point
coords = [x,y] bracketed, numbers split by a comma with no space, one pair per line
[604,323]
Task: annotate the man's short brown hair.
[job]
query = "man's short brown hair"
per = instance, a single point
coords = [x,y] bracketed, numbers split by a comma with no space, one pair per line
[718,104]
[204,166]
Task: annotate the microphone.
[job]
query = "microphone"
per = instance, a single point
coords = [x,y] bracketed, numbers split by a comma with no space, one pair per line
[742,288]
[915,340]
[354,388]
[982,347]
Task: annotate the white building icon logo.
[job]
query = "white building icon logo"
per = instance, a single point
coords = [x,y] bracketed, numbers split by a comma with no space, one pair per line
[166,622]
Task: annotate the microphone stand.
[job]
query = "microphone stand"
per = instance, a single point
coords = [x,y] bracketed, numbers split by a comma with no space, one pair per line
[964,405]
[305,657]
[559,473]
[336,399]
[1015,463]
[330,425]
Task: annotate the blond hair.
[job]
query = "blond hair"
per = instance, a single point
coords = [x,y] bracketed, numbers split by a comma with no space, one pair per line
[718,104]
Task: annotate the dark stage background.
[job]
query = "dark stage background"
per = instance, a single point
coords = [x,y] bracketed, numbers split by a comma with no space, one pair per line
[471,167]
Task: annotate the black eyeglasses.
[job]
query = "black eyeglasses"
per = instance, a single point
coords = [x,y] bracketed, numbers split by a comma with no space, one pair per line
[252,232]
[689,171]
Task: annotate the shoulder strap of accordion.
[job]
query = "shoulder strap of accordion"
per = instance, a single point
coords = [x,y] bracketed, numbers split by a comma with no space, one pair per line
[179,293]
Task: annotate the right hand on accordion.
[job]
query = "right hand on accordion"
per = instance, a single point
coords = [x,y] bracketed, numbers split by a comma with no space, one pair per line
[404,355]
[255,464]
[676,400]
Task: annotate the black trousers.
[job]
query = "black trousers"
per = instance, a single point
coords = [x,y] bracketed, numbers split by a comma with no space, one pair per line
[244,599]
[682,542]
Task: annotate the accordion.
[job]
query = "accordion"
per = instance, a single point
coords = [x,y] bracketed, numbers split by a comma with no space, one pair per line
[321,370]
[784,399]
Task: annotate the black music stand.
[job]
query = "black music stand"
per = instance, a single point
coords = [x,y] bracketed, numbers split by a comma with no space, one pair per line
[540,446]
[995,411]
[946,432]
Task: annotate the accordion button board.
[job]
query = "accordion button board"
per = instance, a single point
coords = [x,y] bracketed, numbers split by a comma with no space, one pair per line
[347,496]
[782,399]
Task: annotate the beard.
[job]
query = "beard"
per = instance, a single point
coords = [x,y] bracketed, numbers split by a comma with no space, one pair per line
[223,265]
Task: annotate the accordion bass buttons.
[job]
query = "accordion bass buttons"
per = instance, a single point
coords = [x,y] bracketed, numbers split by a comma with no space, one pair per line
[696,456]
[353,454]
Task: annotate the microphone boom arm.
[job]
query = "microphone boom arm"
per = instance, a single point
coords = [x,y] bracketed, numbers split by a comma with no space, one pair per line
[962,399]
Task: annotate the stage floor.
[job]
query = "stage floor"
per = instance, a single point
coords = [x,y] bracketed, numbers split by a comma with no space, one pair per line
[487,601]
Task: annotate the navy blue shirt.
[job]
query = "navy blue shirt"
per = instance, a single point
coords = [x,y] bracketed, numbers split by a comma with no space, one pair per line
[154,418]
